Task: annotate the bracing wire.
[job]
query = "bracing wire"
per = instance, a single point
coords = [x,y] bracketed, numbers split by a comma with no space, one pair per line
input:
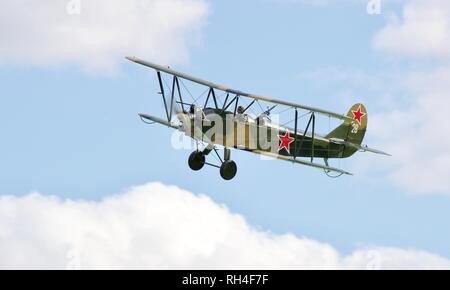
[220,98]
[167,86]
[201,95]
[262,110]
[285,110]
[190,94]
[301,116]
[185,87]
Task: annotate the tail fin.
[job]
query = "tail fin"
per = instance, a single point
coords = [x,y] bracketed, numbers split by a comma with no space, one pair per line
[352,131]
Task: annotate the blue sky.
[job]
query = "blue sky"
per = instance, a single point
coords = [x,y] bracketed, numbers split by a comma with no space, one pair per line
[76,134]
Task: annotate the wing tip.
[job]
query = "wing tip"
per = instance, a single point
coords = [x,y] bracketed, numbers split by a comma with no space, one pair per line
[365,148]
[131,58]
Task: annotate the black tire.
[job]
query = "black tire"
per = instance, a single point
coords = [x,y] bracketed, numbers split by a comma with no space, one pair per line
[228,170]
[196,160]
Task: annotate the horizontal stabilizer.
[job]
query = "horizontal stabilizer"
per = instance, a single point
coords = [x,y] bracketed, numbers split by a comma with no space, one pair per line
[299,161]
[359,147]
[376,151]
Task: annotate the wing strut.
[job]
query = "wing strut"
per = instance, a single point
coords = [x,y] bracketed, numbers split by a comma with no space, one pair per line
[236,106]
[179,93]
[313,117]
[169,117]
[312,120]
[213,94]
[225,102]
[248,107]
[295,128]
[229,104]
[175,87]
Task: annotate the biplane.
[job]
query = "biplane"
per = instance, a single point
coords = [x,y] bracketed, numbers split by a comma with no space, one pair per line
[235,128]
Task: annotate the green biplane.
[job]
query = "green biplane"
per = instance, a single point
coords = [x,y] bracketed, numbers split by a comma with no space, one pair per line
[230,126]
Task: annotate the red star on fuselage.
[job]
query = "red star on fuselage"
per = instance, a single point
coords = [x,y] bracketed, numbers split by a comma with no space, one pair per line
[286,141]
[357,115]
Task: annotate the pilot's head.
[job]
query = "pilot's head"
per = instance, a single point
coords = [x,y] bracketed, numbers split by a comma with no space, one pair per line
[240,110]
[192,109]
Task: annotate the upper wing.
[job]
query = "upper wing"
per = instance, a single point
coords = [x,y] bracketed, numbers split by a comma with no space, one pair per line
[237,92]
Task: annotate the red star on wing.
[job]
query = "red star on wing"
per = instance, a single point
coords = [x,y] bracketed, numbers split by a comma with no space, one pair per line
[286,141]
[357,115]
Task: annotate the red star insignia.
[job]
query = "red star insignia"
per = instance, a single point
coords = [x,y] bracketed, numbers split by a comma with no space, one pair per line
[286,141]
[357,115]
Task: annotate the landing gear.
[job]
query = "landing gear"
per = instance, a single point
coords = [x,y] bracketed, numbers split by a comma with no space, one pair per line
[228,170]
[196,160]
[228,167]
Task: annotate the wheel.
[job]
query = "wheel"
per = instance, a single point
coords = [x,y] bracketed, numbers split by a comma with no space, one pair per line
[228,170]
[196,160]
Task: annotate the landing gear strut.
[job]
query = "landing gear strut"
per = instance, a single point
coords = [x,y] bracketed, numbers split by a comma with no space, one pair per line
[228,167]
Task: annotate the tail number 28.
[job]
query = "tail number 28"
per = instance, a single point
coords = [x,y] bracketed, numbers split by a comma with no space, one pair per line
[355,128]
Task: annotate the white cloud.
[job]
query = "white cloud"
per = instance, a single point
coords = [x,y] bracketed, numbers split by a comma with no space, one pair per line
[415,130]
[158,226]
[422,31]
[44,34]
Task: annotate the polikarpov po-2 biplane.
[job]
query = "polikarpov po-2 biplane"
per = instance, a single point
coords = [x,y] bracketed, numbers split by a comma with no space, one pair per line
[259,134]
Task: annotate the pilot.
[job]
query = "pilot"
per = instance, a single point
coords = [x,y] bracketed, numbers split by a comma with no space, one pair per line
[240,114]
[197,112]
[192,109]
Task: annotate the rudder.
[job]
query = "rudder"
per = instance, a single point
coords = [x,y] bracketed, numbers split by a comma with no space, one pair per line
[352,131]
